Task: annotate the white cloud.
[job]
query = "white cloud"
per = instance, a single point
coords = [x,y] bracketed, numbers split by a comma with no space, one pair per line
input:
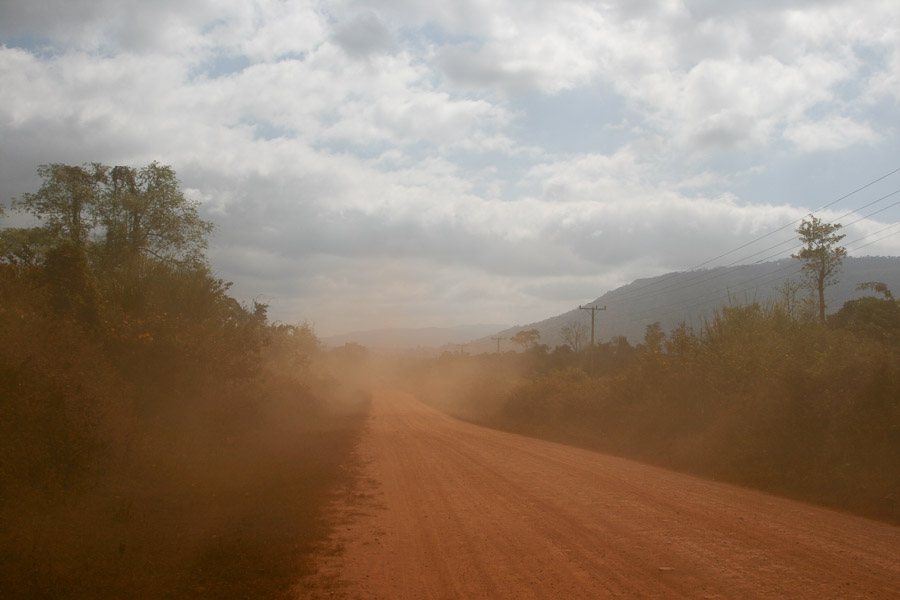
[595,177]
[736,104]
[283,29]
[723,77]
[830,134]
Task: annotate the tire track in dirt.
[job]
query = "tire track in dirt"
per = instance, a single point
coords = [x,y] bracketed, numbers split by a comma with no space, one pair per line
[461,511]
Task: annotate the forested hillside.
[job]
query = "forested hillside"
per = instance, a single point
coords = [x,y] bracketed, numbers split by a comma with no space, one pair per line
[157,438]
[693,296]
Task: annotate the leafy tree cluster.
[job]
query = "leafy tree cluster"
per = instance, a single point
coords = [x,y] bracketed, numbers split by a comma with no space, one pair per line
[141,405]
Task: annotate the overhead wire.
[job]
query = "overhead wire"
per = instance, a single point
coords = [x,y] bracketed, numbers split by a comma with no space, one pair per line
[773,232]
[701,277]
[821,208]
[768,278]
[709,276]
[881,239]
[727,294]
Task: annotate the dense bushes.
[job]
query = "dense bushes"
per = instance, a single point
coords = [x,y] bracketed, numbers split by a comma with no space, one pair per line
[755,398]
[157,438]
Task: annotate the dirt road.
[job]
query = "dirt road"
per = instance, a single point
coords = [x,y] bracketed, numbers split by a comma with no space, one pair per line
[459,511]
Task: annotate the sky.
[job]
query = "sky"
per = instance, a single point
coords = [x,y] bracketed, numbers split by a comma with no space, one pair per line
[402,163]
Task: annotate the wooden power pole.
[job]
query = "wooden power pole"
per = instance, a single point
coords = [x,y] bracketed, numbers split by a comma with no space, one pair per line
[593,310]
[498,342]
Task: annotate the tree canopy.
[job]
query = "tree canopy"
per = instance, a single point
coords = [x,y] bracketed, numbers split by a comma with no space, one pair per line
[119,213]
[526,338]
[821,257]
[67,201]
[113,227]
[870,317]
[575,334]
[143,211]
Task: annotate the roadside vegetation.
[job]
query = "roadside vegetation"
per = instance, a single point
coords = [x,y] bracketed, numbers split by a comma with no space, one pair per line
[158,439]
[773,397]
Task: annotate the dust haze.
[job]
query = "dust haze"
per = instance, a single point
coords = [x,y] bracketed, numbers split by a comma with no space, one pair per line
[159,438]
[756,397]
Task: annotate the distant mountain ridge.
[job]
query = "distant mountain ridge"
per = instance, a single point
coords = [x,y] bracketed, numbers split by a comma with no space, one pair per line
[408,338]
[692,296]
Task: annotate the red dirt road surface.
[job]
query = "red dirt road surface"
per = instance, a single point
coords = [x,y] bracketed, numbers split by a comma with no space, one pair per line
[460,511]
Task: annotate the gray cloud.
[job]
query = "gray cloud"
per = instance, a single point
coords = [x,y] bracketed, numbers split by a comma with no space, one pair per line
[703,9]
[108,25]
[465,65]
[364,35]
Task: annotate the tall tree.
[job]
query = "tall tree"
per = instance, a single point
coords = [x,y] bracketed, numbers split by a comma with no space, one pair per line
[66,201]
[821,256]
[526,338]
[575,334]
[654,336]
[66,204]
[118,226]
[787,297]
[148,229]
[145,213]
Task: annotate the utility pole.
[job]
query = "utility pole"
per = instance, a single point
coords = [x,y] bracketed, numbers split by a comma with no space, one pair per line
[593,310]
[462,348]
[498,342]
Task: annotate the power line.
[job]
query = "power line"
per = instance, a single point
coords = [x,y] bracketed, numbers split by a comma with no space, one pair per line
[773,232]
[874,212]
[875,233]
[647,291]
[794,267]
[881,239]
[705,276]
[718,296]
[821,208]
[725,294]
[895,192]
